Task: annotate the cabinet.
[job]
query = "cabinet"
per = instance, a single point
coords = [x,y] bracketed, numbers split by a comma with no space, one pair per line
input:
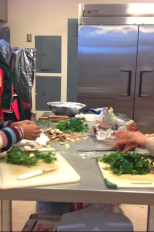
[3,10]
[48,89]
[48,54]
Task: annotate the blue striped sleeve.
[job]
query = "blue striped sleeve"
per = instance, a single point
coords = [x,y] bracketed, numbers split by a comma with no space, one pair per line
[9,136]
[5,124]
[13,135]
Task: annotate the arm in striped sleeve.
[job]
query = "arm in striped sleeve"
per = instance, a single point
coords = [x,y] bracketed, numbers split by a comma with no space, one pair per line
[9,136]
[5,124]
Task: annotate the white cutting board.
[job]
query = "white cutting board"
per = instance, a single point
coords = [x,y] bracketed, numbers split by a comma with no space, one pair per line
[63,174]
[126,180]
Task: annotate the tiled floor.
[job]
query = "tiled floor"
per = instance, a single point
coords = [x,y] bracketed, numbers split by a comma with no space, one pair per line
[23,209]
[137,214]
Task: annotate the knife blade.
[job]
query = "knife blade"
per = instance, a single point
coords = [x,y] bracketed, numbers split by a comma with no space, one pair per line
[41,150]
[97,150]
[34,173]
[80,150]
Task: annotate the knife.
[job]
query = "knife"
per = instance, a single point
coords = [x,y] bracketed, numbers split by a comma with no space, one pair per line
[39,149]
[35,173]
[97,150]
[80,150]
[90,150]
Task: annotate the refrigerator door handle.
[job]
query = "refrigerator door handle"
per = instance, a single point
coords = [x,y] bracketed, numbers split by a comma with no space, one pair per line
[141,84]
[129,84]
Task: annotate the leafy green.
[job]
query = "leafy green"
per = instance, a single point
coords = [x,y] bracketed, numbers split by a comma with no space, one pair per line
[44,123]
[46,157]
[20,157]
[111,114]
[38,124]
[71,125]
[111,117]
[128,163]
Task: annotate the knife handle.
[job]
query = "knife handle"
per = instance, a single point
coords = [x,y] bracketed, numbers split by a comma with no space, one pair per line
[30,174]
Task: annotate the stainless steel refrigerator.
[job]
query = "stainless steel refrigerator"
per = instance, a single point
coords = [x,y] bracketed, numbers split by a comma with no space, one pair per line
[116,59]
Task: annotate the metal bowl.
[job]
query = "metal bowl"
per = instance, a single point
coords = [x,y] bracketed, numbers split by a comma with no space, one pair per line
[66,108]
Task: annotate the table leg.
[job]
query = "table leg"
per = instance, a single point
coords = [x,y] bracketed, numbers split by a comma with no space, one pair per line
[6,216]
[150,218]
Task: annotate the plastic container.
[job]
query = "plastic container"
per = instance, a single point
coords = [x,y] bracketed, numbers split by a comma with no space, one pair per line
[90,117]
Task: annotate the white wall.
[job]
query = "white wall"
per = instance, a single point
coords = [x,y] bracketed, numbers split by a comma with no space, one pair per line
[46,17]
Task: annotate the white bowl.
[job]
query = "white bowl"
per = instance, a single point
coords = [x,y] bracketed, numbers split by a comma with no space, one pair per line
[90,117]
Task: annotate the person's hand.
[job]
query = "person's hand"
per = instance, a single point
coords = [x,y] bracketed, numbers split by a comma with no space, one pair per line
[132,127]
[31,131]
[122,146]
[21,123]
[131,138]
[120,134]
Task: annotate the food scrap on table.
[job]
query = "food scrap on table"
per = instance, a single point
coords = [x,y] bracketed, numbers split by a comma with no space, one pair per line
[38,147]
[67,145]
[57,135]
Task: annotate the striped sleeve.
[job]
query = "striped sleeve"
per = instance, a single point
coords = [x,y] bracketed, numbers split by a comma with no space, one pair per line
[9,136]
[5,124]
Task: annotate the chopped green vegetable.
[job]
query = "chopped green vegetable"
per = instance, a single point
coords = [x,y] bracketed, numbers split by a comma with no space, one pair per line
[18,156]
[111,117]
[44,123]
[127,163]
[46,157]
[38,124]
[71,125]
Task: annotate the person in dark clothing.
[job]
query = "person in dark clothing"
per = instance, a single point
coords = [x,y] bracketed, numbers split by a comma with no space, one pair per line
[11,107]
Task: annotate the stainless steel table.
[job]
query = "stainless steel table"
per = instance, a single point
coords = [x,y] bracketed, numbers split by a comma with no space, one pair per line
[90,189]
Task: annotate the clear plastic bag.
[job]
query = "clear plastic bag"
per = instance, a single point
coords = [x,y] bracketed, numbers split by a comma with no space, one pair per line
[110,122]
[103,134]
[106,116]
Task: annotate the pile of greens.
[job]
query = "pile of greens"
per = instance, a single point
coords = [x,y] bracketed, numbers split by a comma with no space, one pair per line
[128,163]
[18,156]
[71,125]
